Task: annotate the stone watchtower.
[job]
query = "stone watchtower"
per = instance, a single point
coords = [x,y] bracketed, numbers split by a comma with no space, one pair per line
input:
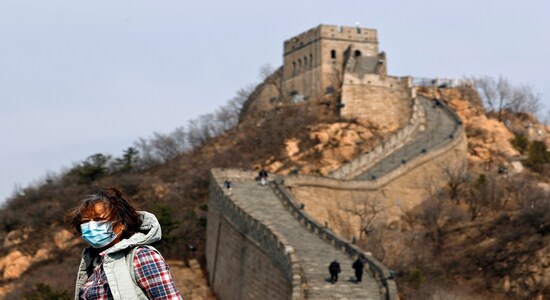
[313,61]
[340,70]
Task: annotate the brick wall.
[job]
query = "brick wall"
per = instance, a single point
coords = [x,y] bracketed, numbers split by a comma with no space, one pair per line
[246,259]
[397,140]
[324,198]
[386,102]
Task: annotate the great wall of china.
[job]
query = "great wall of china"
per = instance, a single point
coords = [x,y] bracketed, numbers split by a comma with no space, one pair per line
[275,242]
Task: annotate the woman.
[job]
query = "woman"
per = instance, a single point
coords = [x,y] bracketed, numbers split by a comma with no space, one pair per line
[120,264]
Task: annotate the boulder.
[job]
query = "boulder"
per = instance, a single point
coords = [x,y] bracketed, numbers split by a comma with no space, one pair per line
[16,237]
[64,239]
[482,153]
[292,147]
[275,166]
[323,137]
[41,255]
[16,263]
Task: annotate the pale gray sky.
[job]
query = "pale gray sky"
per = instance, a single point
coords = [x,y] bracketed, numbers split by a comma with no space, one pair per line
[82,77]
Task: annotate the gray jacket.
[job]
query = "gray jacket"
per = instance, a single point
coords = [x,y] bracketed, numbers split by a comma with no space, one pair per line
[118,269]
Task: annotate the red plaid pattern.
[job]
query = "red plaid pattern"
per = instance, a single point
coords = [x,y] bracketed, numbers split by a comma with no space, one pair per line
[96,287]
[152,276]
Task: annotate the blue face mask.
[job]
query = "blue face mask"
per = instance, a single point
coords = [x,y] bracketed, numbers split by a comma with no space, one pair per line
[98,233]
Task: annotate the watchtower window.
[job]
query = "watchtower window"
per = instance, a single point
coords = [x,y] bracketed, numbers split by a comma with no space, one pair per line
[293,67]
[311,60]
[305,61]
[357,53]
[299,63]
[333,54]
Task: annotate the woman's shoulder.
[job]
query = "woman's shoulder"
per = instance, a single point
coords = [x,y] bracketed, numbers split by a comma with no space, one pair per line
[146,251]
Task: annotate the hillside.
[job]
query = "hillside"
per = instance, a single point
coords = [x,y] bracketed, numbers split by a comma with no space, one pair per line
[488,231]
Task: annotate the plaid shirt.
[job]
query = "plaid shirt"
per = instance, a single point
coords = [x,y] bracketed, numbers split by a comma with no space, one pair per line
[152,276]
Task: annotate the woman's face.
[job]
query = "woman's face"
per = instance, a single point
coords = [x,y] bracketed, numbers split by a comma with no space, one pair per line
[100,212]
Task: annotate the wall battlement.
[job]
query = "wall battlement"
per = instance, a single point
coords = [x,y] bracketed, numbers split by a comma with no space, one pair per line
[337,70]
[252,241]
[380,271]
[405,173]
[347,33]
[342,65]
[238,246]
[397,140]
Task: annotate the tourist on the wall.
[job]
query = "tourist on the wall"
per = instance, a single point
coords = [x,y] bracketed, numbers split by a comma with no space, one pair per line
[227,184]
[358,266]
[334,269]
[263,176]
[119,264]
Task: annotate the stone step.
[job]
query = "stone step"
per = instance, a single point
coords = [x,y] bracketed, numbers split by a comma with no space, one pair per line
[315,254]
[439,127]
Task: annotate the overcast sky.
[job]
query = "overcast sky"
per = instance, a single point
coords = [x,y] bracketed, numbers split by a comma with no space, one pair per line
[85,77]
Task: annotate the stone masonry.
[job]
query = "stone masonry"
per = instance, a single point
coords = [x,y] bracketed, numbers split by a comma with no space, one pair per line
[337,70]
[243,266]
[400,181]
[256,248]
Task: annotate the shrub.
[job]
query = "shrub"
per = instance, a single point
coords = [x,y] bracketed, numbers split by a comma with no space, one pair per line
[537,156]
[520,142]
[415,278]
[44,291]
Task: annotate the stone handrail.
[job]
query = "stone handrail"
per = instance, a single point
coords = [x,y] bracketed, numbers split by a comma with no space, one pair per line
[441,82]
[265,235]
[317,181]
[378,153]
[379,271]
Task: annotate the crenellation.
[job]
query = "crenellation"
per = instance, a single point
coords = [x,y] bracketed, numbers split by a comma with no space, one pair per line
[241,259]
[405,134]
[331,32]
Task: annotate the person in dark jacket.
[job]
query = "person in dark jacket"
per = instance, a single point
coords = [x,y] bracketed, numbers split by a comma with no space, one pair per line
[358,265]
[263,176]
[334,269]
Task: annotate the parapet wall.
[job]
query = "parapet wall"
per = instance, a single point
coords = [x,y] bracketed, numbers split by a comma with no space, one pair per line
[313,61]
[401,190]
[380,272]
[385,100]
[397,140]
[454,145]
[347,33]
[245,258]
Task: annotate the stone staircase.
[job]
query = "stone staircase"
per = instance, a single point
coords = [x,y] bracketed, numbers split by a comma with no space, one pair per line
[313,245]
[314,253]
[441,126]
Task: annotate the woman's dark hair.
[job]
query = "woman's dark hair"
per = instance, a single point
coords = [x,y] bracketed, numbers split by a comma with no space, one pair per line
[120,211]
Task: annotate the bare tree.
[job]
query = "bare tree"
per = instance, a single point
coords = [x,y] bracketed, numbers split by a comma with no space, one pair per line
[456,180]
[500,94]
[269,77]
[517,189]
[430,217]
[161,148]
[486,194]
[366,208]
[524,99]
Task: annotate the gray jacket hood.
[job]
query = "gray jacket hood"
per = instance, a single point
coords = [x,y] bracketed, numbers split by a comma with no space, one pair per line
[149,232]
